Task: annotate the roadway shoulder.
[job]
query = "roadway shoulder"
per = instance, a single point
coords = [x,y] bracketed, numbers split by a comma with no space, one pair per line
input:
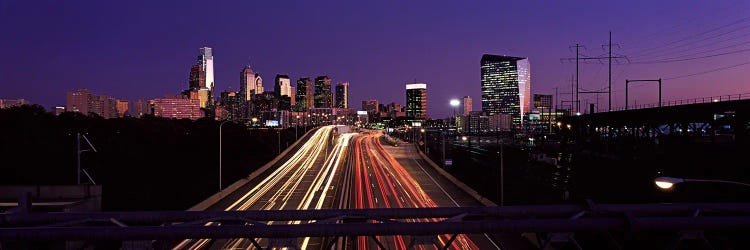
[457,182]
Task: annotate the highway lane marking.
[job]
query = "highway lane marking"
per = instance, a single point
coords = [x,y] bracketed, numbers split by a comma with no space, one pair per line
[449,196]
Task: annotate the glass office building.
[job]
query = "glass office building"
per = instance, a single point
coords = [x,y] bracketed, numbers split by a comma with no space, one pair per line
[506,86]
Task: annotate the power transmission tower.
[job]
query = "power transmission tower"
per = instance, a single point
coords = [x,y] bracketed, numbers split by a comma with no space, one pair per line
[609,58]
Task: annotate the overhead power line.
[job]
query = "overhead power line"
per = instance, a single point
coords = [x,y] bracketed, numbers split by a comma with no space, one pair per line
[672,51]
[692,58]
[708,71]
[745,19]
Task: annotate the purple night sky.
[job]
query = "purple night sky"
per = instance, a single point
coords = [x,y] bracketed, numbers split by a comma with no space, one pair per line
[144,49]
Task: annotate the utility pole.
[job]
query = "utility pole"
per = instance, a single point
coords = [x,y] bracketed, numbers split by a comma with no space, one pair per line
[556,99]
[609,89]
[578,104]
[578,58]
[572,92]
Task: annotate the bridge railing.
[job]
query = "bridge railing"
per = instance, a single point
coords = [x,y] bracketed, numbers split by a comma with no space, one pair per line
[707,99]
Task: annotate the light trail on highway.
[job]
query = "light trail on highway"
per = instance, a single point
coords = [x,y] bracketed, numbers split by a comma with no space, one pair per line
[382,182]
[307,180]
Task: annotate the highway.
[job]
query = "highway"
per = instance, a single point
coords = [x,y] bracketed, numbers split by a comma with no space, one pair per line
[307,180]
[347,171]
[396,177]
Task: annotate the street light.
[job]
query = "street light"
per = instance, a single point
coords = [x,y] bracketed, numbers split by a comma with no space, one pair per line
[424,138]
[667,183]
[295,129]
[454,103]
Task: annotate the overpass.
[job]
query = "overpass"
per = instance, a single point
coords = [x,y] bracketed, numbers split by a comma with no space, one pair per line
[619,224]
[725,115]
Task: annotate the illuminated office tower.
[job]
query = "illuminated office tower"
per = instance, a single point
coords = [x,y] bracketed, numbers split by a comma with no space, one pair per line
[416,100]
[506,86]
[342,95]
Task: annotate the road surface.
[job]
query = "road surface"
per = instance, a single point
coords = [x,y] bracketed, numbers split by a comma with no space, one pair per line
[307,180]
[397,177]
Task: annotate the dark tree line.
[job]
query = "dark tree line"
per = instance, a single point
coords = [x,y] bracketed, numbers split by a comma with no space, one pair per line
[149,163]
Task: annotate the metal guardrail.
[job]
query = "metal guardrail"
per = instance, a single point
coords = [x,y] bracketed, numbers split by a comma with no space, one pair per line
[169,225]
[699,100]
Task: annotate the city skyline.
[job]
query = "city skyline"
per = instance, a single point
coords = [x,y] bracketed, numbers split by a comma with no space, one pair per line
[401,42]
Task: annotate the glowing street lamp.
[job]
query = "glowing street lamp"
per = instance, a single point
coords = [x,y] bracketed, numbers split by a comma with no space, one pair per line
[666,183]
[454,103]
[424,138]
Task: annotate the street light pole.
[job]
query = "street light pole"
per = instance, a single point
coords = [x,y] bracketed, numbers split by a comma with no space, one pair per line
[220,154]
[79,151]
[502,177]
[296,135]
[442,134]
[424,138]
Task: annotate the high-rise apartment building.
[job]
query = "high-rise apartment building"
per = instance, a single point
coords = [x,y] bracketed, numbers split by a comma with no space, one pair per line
[323,95]
[305,94]
[123,106]
[85,102]
[342,95]
[178,108]
[142,107]
[79,101]
[506,86]
[416,100]
[466,101]
[7,103]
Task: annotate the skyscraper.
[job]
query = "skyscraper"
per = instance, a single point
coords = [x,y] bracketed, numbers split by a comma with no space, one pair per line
[342,95]
[371,106]
[197,77]
[282,85]
[506,86]
[305,94]
[323,95]
[293,96]
[466,101]
[416,100]
[247,83]
[206,61]
[258,84]
[282,90]
[201,80]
